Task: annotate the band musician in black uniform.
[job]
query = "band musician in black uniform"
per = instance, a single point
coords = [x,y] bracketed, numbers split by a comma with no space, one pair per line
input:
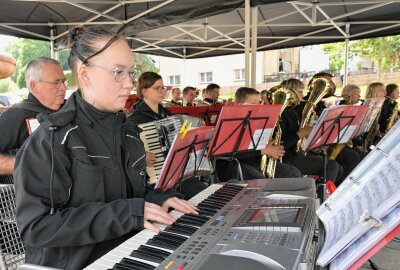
[152,91]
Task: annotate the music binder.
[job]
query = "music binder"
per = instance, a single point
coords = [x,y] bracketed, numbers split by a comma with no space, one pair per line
[184,157]
[208,114]
[243,128]
[372,188]
[356,254]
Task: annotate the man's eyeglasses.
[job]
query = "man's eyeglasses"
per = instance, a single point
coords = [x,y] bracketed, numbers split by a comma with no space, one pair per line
[57,83]
[120,73]
[160,89]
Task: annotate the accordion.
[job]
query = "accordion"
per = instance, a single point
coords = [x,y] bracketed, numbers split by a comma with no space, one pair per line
[158,136]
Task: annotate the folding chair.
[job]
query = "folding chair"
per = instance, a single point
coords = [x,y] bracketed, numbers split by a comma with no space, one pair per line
[6,179]
[12,251]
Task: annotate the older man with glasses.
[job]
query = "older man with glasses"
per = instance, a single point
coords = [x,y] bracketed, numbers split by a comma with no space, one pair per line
[47,85]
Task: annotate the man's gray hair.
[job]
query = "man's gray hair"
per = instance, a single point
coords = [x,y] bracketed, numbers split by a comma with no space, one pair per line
[34,69]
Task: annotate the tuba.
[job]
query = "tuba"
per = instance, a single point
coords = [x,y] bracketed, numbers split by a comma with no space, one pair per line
[393,118]
[320,87]
[334,151]
[288,98]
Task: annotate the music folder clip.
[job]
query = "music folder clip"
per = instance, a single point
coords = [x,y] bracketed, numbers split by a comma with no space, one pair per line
[369,221]
[184,157]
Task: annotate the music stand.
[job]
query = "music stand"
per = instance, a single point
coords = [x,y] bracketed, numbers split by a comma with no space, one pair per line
[184,157]
[209,114]
[371,117]
[242,128]
[374,108]
[335,125]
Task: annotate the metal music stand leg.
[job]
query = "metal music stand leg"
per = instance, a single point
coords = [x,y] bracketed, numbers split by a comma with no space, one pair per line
[321,184]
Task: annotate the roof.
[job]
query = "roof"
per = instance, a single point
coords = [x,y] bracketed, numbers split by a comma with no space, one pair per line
[192,29]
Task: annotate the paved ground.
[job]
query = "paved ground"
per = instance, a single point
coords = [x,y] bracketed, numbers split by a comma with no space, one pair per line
[388,258]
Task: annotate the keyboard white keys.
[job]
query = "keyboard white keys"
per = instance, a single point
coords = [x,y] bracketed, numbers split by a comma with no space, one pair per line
[125,249]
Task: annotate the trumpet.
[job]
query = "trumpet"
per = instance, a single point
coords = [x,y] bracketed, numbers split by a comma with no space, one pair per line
[288,98]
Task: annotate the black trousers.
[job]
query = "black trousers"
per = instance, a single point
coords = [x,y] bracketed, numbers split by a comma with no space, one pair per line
[314,165]
[348,158]
[190,187]
[252,170]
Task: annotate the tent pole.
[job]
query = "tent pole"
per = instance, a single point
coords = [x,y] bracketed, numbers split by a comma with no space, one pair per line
[247,42]
[346,55]
[254,19]
[52,43]
[54,54]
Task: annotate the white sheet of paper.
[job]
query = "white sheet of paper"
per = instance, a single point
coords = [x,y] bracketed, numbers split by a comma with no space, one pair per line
[263,135]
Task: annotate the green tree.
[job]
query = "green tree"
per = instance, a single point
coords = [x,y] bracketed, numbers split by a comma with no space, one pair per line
[145,63]
[7,85]
[335,51]
[24,50]
[384,52]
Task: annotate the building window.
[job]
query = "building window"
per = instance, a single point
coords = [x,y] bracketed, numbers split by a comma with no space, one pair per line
[174,80]
[205,77]
[238,74]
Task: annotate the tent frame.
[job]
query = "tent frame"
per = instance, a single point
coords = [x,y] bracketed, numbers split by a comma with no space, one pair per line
[224,41]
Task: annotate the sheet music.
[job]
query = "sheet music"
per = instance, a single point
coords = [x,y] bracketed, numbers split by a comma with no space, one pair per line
[375,105]
[345,134]
[261,135]
[355,251]
[335,125]
[181,160]
[372,187]
[213,119]
[32,124]
[194,161]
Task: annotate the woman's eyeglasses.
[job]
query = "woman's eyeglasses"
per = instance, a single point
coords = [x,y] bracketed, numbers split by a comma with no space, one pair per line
[160,89]
[120,73]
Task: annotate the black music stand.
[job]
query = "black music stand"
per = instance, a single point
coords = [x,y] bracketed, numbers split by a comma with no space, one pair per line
[209,111]
[236,131]
[333,127]
[194,143]
[329,130]
[205,113]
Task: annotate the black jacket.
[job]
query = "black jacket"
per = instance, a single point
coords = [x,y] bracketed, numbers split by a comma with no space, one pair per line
[98,185]
[13,126]
[211,101]
[290,124]
[144,114]
[386,113]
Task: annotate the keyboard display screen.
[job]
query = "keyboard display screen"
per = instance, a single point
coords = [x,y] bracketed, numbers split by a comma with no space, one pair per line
[274,215]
